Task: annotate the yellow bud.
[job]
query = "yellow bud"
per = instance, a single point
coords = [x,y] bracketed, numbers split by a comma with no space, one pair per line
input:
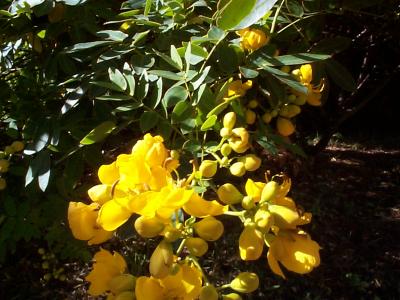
[47,276]
[274,113]
[289,111]
[41,251]
[226,149]
[4,164]
[208,292]
[225,161]
[9,150]
[171,234]
[285,69]
[209,229]
[18,146]
[128,295]
[252,104]
[161,260]
[208,168]
[100,193]
[251,162]
[251,243]
[237,169]
[125,26]
[229,120]
[197,246]
[267,117]
[248,202]
[174,154]
[250,117]
[285,126]
[292,98]
[148,227]
[122,283]
[245,282]
[229,194]
[231,296]
[301,99]
[263,219]
[225,132]
[269,191]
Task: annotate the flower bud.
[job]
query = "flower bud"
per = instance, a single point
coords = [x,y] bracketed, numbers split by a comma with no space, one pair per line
[289,111]
[237,169]
[292,98]
[284,126]
[229,194]
[267,117]
[229,120]
[231,296]
[245,282]
[122,283]
[209,229]
[250,117]
[252,39]
[225,132]
[251,162]
[300,99]
[196,246]
[161,260]
[239,140]
[208,168]
[174,154]
[285,69]
[9,150]
[171,234]
[269,191]
[252,104]
[208,292]
[251,243]
[4,164]
[127,295]
[3,184]
[263,219]
[248,202]
[17,146]
[226,149]
[148,227]
[100,193]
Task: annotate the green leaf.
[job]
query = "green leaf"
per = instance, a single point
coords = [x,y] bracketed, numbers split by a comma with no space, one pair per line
[156,95]
[44,171]
[182,111]
[114,97]
[332,45]
[287,79]
[148,120]
[169,60]
[127,107]
[112,35]
[85,46]
[129,79]
[98,133]
[147,7]
[261,59]
[295,8]
[174,95]
[239,14]
[107,85]
[166,74]
[188,56]
[248,73]
[9,206]
[117,78]
[233,12]
[340,75]
[209,123]
[176,57]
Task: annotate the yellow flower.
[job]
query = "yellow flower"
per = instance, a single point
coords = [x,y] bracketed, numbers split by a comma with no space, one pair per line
[108,174]
[251,243]
[185,284]
[237,88]
[200,208]
[151,149]
[252,39]
[82,221]
[105,268]
[254,189]
[313,92]
[239,140]
[297,252]
[285,127]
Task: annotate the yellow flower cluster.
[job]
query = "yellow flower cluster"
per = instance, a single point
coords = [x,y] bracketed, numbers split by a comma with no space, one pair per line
[137,183]
[304,75]
[141,184]
[272,218]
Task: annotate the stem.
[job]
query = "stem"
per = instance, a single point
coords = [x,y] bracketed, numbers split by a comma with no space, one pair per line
[239,214]
[276,17]
[180,248]
[211,52]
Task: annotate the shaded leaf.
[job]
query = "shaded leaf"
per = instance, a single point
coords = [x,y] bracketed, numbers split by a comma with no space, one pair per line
[98,133]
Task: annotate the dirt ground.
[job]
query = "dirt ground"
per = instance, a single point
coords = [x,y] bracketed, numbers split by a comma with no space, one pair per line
[352,193]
